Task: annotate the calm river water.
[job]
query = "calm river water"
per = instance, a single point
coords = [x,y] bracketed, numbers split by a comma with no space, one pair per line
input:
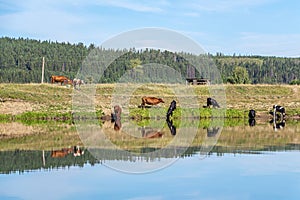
[244,162]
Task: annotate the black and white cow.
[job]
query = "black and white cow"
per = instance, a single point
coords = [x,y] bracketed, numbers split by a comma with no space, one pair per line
[280,109]
[212,102]
[77,83]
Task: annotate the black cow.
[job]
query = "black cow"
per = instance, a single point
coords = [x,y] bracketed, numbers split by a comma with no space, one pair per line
[172,107]
[279,109]
[251,114]
[212,102]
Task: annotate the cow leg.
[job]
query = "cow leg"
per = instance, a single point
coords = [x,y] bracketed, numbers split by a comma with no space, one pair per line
[143,104]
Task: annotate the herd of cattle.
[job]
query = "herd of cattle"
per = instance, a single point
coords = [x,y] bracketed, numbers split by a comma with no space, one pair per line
[278,121]
[278,112]
[76,82]
[278,116]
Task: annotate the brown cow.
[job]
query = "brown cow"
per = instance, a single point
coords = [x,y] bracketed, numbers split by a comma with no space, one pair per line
[68,82]
[60,79]
[116,117]
[151,101]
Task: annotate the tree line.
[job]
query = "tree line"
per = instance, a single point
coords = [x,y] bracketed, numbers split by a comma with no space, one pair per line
[21,62]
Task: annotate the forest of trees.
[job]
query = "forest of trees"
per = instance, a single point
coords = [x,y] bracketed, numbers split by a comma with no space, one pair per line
[21,62]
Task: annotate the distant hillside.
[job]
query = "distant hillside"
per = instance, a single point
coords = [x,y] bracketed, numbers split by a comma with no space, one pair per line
[21,61]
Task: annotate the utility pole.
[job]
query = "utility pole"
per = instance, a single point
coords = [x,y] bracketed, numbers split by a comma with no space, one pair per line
[43,69]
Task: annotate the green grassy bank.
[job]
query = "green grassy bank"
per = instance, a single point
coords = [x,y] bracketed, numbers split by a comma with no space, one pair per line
[54,102]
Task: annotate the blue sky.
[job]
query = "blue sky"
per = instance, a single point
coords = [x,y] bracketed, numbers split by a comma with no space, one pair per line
[246,27]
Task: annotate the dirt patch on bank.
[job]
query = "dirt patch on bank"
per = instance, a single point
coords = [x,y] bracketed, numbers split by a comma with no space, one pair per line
[15,107]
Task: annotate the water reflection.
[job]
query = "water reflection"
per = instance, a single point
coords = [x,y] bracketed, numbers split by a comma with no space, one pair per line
[251,122]
[233,137]
[117,124]
[213,131]
[76,151]
[149,132]
[172,128]
[278,124]
[28,160]
[244,155]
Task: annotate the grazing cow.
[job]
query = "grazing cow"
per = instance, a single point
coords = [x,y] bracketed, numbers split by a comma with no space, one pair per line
[251,114]
[116,117]
[151,101]
[171,109]
[59,79]
[171,126]
[68,82]
[116,114]
[77,83]
[212,102]
[117,111]
[279,109]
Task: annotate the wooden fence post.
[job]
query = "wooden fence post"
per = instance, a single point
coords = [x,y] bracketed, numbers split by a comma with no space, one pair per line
[43,69]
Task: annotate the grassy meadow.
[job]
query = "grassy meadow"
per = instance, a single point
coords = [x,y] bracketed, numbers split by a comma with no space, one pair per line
[52,101]
[39,116]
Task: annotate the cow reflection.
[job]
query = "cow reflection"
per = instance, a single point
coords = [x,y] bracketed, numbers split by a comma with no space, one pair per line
[278,124]
[148,132]
[171,126]
[117,125]
[75,150]
[251,122]
[213,131]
